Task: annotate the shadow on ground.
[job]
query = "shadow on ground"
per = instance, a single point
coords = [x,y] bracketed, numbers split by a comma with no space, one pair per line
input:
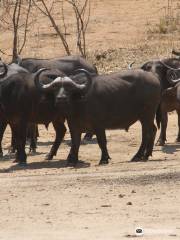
[169,148]
[45,164]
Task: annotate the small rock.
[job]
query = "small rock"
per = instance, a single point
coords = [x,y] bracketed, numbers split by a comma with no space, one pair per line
[45,204]
[106,205]
[121,195]
[129,203]
[173,235]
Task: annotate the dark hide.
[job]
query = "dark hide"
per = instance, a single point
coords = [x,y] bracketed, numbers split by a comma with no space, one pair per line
[164,70]
[67,64]
[11,69]
[170,102]
[114,101]
[22,103]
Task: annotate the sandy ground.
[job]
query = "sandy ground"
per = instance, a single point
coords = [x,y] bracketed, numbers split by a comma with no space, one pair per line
[46,200]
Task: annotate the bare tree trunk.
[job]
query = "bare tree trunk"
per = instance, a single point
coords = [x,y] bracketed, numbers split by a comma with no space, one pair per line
[81,24]
[47,13]
[15,16]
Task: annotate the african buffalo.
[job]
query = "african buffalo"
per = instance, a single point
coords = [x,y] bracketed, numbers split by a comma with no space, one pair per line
[21,103]
[166,70]
[9,70]
[66,64]
[96,103]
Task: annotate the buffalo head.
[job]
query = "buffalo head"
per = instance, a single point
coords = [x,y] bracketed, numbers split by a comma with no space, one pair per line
[167,70]
[64,88]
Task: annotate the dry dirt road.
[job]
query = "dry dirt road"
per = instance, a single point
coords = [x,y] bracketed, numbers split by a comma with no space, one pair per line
[46,200]
[49,201]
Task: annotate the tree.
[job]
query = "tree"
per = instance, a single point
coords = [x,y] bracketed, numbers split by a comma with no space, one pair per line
[81,13]
[15,18]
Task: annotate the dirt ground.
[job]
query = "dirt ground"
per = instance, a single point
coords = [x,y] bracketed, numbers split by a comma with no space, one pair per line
[47,200]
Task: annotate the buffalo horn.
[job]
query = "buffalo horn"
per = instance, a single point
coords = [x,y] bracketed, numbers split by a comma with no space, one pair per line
[171,77]
[37,82]
[3,74]
[85,86]
[130,65]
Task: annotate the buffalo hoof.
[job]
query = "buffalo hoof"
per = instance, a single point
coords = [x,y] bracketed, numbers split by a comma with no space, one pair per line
[138,159]
[160,143]
[71,161]
[22,164]
[48,157]
[103,162]
[71,164]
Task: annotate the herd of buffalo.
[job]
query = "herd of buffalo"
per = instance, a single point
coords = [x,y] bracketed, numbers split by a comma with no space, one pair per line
[40,91]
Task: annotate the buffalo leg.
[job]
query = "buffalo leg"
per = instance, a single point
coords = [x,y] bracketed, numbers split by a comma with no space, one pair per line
[162,138]
[3,125]
[102,142]
[178,136]
[19,131]
[72,158]
[12,148]
[32,135]
[139,156]
[60,130]
[150,144]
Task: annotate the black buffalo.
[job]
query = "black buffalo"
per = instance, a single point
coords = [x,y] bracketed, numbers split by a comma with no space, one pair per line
[66,64]
[8,71]
[166,70]
[21,103]
[110,101]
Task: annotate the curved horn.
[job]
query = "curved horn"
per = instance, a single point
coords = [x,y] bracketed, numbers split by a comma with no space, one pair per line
[37,83]
[130,65]
[142,66]
[175,53]
[167,66]
[172,77]
[3,74]
[85,86]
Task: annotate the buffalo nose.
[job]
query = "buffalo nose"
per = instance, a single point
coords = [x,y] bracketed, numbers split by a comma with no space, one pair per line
[62,99]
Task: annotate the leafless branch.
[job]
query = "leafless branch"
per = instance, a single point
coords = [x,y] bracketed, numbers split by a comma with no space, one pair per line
[26,27]
[47,13]
[81,25]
